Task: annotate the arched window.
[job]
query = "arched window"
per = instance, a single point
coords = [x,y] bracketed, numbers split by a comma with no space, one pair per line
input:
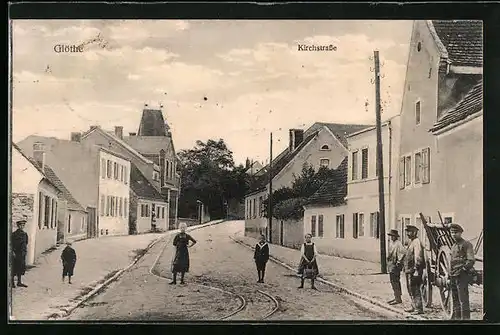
[325,147]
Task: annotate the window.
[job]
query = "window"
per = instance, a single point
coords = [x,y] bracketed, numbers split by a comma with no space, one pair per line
[40,209]
[115,170]
[374,225]
[103,168]
[254,209]
[419,46]
[339,231]
[163,212]
[320,225]
[52,214]
[69,224]
[143,210]
[313,225]
[171,170]
[361,224]
[167,169]
[426,164]
[404,221]
[103,205]
[355,225]
[418,167]
[364,163]
[147,211]
[109,167]
[120,172]
[401,173]
[47,212]
[156,176]
[108,205]
[250,208]
[407,170]
[120,206]
[125,203]
[324,162]
[325,147]
[355,165]
[112,206]
[417,112]
[260,206]
[82,228]
[125,176]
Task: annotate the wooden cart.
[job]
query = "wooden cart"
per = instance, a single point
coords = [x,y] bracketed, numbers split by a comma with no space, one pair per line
[437,264]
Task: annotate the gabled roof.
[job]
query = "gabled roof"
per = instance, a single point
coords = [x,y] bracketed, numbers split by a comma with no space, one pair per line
[472,103]
[141,186]
[333,191]
[149,144]
[340,131]
[462,39]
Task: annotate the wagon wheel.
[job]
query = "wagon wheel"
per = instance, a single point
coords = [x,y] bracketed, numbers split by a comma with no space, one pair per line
[426,288]
[443,280]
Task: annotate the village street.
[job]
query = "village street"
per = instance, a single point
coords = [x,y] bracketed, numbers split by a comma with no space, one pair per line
[221,281]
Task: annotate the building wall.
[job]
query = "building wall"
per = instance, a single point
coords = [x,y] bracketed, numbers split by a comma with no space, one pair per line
[255,222]
[421,84]
[45,236]
[458,176]
[111,218]
[77,228]
[144,217]
[289,233]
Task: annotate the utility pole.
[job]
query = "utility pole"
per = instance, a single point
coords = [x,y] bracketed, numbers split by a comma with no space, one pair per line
[380,166]
[270,211]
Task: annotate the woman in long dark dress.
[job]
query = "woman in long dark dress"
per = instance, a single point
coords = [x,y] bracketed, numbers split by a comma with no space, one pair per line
[180,262]
[261,256]
[68,257]
[308,266]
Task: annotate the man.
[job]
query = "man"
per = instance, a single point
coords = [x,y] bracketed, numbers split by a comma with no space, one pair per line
[462,262]
[395,265]
[414,265]
[19,242]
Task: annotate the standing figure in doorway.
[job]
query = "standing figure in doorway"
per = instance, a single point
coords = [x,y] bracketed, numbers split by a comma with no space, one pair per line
[308,267]
[180,262]
[68,258]
[395,265]
[414,268]
[261,256]
[19,242]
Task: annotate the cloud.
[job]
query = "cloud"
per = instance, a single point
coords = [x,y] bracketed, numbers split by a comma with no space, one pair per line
[135,30]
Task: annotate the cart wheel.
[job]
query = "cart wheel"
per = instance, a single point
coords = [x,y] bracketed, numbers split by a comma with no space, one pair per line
[426,288]
[443,281]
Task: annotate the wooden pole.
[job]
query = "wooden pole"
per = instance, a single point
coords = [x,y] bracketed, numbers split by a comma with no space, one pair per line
[380,166]
[270,212]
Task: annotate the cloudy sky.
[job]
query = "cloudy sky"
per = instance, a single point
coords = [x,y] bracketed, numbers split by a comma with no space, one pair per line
[236,80]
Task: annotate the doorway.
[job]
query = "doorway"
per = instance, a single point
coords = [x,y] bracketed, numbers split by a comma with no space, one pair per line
[281,232]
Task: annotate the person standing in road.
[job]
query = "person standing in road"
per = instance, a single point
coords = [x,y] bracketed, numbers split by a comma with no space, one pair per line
[261,256]
[68,258]
[180,262]
[395,265]
[414,265]
[462,262]
[308,265]
[19,243]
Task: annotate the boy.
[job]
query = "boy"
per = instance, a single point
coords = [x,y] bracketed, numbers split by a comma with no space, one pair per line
[261,256]
[68,257]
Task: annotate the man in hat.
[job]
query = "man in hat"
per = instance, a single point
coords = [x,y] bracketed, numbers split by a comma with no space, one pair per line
[462,261]
[414,265]
[395,265]
[19,242]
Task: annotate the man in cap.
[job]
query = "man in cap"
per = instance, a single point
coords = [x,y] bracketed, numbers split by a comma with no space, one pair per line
[462,261]
[395,265]
[414,265]
[19,242]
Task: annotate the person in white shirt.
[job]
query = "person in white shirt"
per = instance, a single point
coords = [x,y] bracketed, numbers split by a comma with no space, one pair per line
[308,265]
[414,264]
[395,265]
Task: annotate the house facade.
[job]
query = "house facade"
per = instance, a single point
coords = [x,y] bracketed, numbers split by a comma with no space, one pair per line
[323,144]
[444,65]
[35,199]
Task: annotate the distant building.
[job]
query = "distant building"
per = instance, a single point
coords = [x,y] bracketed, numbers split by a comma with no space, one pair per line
[253,167]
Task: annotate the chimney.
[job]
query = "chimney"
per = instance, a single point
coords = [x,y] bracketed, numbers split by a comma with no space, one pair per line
[119,132]
[39,154]
[76,137]
[132,134]
[296,138]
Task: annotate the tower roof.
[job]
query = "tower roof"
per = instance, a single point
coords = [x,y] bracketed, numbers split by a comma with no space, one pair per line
[152,123]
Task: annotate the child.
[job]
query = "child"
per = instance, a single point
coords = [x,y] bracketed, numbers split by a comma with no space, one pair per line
[68,258]
[308,253]
[261,256]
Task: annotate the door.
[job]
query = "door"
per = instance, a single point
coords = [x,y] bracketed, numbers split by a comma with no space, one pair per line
[281,232]
[92,227]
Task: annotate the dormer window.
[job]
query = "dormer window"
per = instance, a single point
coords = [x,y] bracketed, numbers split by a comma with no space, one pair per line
[156,176]
[325,147]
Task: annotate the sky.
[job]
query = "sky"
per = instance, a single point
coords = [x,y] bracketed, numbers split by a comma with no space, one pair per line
[235,80]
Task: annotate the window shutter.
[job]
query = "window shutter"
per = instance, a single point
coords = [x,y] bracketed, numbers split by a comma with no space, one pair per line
[426,160]
[355,225]
[401,173]
[342,226]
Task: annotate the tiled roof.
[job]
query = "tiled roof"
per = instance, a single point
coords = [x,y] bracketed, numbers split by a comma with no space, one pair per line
[471,103]
[149,144]
[339,130]
[152,123]
[72,203]
[463,40]
[333,191]
[141,186]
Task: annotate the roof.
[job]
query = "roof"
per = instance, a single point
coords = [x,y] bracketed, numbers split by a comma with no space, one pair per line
[333,191]
[340,131]
[141,186]
[152,123]
[463,40]
[149,144]
[471,104]
[66,194]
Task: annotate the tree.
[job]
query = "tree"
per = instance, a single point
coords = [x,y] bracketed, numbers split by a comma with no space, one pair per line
[209,174]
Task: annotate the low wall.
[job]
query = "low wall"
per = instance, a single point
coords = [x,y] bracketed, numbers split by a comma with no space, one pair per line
[367,249]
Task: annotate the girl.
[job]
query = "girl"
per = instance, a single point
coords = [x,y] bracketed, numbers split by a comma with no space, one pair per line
[308,254]
[181,258]
[261,256]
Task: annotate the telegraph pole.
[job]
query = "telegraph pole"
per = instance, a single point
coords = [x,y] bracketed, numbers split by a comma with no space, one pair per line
[270,211]
[380,166]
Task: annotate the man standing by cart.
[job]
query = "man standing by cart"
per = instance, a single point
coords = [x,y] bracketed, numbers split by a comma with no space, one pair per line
[461,263]
[414,265]
[395,265]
